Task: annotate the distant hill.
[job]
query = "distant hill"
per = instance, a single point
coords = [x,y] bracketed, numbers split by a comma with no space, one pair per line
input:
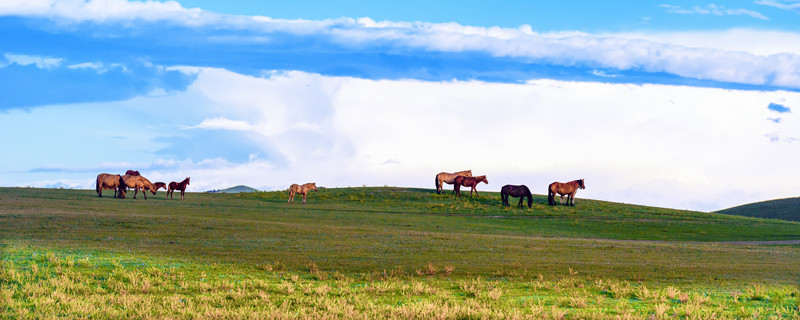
[236,189]
[784,209]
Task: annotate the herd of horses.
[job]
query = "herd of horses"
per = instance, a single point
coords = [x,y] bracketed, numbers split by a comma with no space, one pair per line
[134,180]
[465,179]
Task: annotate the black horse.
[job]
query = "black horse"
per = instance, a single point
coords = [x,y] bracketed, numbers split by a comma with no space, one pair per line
[517,192]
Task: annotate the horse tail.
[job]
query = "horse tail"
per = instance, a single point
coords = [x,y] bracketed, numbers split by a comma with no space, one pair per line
[436,183]
[97,186]
[551,196]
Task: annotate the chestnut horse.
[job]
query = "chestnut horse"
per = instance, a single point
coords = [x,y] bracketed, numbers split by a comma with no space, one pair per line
[178,186]
[132,173]
[569,189]
[109,181]
[519,191]
[294,189]
[159,185]
[445,177]
[136,183]
[462,181]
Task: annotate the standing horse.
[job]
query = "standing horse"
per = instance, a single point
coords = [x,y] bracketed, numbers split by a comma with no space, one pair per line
[136,183]
[108,181]
[294,189]
[159,185]
[445,177]
[519,191]
[177,186]
[569,189]
[471,182]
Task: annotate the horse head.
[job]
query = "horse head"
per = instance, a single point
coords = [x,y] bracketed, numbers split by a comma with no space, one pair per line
[483,178]
[581,185]
[314,186]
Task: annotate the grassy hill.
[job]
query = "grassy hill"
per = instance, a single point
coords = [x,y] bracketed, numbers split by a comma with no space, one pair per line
[784,209]
[236,189]
[384,253]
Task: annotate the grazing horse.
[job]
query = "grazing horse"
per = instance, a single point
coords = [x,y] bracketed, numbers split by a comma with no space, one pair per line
[136,183]
[108,181]
[178,186]
[159,185]
[294,189]
[519,191]
[569,189]
[446,177]
[462,181]
[132,173]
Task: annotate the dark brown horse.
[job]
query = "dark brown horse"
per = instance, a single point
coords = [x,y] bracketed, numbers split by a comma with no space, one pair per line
[136,183]
[295,189]
[569,189]
[109,181]
[132,173]
[178,186]
[462,181]
[519,191]
[446,177]
[159,185]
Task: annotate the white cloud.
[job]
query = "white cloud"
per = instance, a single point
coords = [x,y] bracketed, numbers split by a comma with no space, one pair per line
[791,5]
[658,145]
[221,123]
[739,56]
[713,9]
[40,62]
[673,146]
[104,10]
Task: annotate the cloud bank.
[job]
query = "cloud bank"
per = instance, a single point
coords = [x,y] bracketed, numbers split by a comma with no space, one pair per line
[675,146]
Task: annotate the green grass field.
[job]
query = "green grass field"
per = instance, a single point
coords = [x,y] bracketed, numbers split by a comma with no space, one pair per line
[784,209]
[385,253]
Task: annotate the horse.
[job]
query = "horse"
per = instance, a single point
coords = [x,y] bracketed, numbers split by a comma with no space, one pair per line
[460,181]
[108,181]
[446,177]
[132,173]
[159,185]
[519,191]
[178,186]
[294,189]
[136,183]
[569,189]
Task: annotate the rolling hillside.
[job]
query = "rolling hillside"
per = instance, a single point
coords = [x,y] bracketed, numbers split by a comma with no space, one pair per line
[236,189]
[784,209]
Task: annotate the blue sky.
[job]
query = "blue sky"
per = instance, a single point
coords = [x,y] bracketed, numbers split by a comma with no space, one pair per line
[651,102]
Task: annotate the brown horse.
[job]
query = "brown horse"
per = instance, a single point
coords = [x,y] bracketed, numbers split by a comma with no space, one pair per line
[136,183]
[159,185]
[446,177]
[569,189]
[178,186]
[109,181]
[462,181]
[132,173]
[294,189]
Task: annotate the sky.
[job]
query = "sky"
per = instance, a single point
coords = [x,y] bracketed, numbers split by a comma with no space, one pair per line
[680,104]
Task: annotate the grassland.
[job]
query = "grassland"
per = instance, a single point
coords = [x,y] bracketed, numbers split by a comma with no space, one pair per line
[384,253]
[784,209]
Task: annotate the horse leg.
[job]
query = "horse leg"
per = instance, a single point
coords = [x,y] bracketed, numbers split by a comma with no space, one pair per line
[182,197]
[304,197]
[572,199]
[520,202]
[291,197]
